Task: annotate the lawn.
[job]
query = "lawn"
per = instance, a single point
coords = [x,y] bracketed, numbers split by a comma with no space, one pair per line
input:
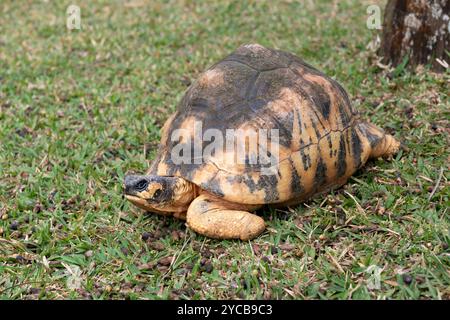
[81,108]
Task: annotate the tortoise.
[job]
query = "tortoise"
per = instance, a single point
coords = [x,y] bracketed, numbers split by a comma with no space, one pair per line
[321,142]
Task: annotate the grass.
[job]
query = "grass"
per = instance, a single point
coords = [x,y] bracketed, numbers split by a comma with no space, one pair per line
[79,109]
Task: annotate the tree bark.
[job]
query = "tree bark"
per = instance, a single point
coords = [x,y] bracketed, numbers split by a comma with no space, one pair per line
[418,29]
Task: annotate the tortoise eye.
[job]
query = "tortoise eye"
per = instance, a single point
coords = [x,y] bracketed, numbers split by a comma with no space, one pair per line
[141,185]
[157,193]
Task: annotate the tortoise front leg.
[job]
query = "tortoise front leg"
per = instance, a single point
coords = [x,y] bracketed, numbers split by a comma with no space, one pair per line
[219,219]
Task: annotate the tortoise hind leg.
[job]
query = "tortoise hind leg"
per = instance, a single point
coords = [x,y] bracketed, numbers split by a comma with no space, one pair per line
[381,143]
[220,219]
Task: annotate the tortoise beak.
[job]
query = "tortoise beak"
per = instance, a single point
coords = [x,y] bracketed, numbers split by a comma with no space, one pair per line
[134,184]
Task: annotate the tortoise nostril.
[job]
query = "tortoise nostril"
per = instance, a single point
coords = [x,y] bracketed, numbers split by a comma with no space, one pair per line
[141,185]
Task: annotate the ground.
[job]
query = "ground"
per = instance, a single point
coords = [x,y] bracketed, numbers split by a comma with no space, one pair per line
[80,108]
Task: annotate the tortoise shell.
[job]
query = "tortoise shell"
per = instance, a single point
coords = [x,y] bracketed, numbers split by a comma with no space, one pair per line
[320,144]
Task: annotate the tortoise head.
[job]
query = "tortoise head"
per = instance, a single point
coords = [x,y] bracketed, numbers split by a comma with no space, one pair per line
[158,194]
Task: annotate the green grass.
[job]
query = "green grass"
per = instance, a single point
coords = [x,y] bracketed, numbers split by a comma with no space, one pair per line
[79,109]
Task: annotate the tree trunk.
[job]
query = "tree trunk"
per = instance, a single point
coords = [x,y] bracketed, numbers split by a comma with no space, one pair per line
[419,29]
